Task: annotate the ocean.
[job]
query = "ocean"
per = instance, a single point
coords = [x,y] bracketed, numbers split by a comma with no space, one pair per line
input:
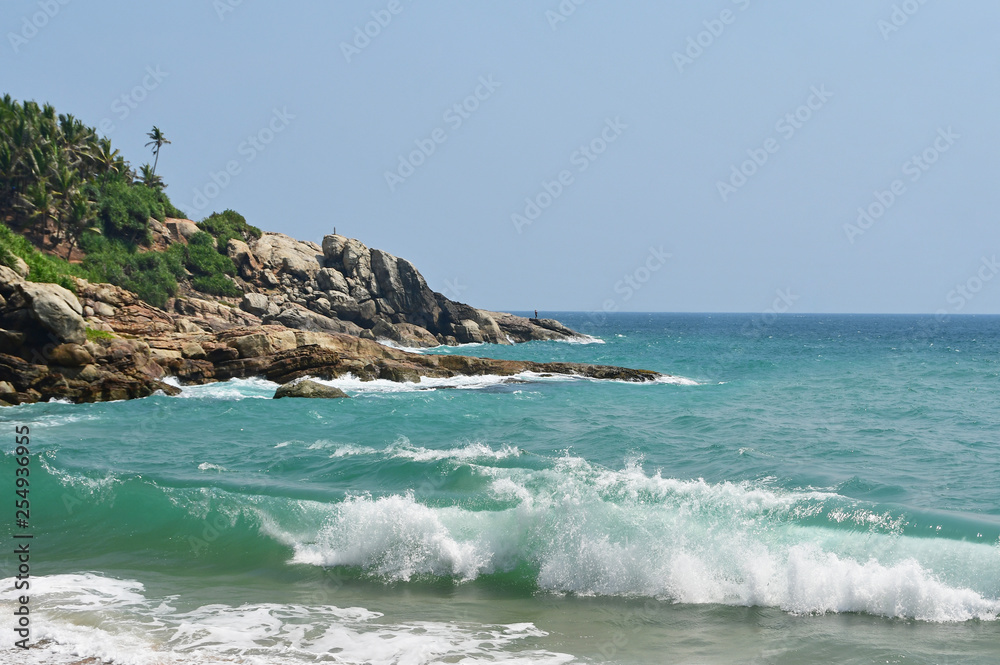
[806,489]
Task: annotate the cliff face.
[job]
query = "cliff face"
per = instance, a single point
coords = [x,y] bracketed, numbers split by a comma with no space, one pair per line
[344,286]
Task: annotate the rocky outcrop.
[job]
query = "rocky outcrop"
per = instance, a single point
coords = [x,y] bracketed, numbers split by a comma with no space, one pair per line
[378,292]
[309,389]
[45,313]
[46,359]
[307,311]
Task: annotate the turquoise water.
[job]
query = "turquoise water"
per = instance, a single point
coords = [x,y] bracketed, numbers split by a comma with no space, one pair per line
[809,489]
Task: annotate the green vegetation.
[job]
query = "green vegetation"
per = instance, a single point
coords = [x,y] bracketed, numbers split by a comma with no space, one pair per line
[44,268]
[150,275]
[59,181]
[62,186]
[209,267]
[96,335]
[226,225]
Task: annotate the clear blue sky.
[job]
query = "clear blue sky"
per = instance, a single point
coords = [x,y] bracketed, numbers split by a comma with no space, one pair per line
[873,83]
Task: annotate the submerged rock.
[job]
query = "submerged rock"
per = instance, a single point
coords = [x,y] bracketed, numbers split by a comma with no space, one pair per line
[307,388]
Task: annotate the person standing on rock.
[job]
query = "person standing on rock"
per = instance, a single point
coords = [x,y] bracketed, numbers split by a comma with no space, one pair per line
[536,313]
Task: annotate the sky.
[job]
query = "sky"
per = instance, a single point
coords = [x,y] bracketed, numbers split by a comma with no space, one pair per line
[573,155]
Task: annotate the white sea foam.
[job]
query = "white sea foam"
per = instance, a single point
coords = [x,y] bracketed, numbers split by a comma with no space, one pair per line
[233,389]
[594,531]
[351,383]
[580,339]
[676,380]
[258,388]
[403,449]
[91,616]
[409,349]
[208,466]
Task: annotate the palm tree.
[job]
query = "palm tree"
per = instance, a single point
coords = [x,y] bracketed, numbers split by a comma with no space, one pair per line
[157,141]
[41,205]
[150,179]
[81,217]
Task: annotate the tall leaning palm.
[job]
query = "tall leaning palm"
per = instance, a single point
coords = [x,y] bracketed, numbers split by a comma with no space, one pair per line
[157,139]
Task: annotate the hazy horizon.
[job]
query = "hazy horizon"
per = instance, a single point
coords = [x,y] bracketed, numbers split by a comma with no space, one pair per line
[725,157]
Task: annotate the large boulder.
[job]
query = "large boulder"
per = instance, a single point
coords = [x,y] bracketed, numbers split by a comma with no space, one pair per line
[310,389]
[180,229]
[56,310]
[264,343]
[386,273]
[355,255]
[467,331]
[284,253]
[255,303]
[70,355]
[245,260]
[304,319]
[333,249]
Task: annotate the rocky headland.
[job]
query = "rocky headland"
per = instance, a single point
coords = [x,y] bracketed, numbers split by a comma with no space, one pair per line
[307,310]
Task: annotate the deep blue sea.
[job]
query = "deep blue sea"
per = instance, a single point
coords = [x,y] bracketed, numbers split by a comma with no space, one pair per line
[806,489]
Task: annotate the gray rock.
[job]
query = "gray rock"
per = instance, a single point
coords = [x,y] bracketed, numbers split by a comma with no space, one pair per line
[322,305]
[387,273]
[343,305]
[304,319]
[56,310]
[268,278]
[385,330]
[103,309]
[255,303]
[188,326]
[292,256]
[309,389]
[333,249]
[192,350]
[21,267]
[367,310]
[330,279]
[181,229]
[467,331]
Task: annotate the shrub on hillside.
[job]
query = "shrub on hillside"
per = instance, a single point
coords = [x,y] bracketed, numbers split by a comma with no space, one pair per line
[150,275]
[226,225]
[217,285]
[44,268]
